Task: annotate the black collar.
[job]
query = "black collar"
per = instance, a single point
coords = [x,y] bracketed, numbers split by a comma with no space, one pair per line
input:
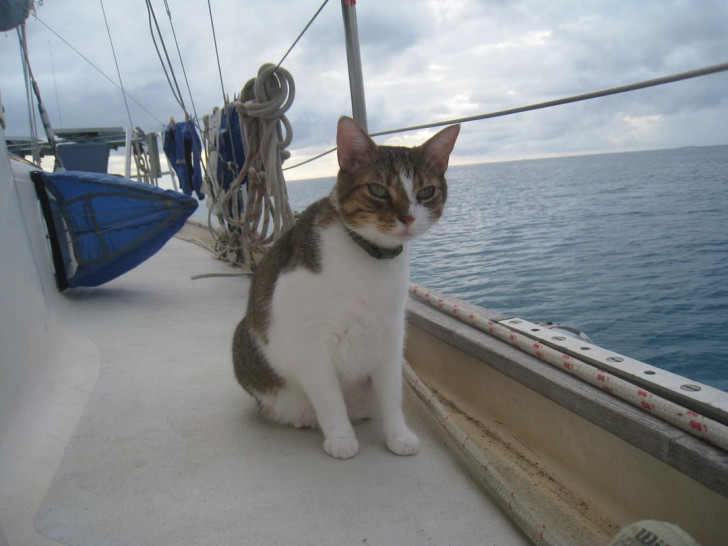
[373,250]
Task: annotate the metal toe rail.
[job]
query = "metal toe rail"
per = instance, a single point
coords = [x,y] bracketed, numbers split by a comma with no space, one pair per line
[688,420]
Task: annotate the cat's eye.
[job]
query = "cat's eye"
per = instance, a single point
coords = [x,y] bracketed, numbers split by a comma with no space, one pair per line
[377,190]
[426,193]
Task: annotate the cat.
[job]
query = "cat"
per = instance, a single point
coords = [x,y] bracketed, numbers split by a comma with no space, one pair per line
[321,344]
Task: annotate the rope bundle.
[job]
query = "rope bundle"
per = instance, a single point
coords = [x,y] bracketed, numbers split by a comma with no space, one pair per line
[261,107]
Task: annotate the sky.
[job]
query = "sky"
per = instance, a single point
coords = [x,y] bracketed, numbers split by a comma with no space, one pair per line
[423,61]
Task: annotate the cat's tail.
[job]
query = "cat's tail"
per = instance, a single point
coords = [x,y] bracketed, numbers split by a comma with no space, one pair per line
[252,369]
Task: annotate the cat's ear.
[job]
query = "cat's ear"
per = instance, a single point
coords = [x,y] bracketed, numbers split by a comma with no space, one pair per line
[354,147]
[438,148]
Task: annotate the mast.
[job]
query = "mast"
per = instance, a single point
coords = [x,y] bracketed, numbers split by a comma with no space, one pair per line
[353,56]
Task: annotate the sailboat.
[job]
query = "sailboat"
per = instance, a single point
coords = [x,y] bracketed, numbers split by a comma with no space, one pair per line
[121,423]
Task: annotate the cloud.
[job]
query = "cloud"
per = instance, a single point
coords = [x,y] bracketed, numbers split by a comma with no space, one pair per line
[422,62]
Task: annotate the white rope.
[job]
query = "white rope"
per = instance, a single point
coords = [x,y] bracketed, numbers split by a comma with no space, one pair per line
[261,108]
[686,419]
[227,240]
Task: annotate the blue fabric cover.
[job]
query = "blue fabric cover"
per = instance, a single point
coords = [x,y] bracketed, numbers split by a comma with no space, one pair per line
[183,148]
[13,13]
[230,147]
[92,157]
[113,224]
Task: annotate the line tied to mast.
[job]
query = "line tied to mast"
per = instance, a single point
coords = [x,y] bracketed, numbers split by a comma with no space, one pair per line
[261,107]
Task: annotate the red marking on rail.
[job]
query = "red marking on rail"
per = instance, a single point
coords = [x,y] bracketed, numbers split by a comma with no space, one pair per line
[648,406]
[567,364]
[642,393]
[601,377]
[472,319]
[698,426]
[691,413]
[455,309]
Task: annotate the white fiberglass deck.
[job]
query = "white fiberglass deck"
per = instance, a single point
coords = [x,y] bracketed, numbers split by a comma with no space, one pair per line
[144,437]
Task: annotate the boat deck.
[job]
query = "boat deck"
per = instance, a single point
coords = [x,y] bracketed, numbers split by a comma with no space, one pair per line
[148,439]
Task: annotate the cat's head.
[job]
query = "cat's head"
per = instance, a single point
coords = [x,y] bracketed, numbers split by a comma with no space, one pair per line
[387,194]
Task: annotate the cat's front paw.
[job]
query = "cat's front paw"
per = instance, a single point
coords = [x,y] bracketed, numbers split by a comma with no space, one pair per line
[404,443]
[341,448]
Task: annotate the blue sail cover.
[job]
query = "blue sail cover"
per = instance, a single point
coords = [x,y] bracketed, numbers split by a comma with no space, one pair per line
[101,226]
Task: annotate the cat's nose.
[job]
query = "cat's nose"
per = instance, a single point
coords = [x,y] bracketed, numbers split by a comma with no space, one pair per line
[406,220]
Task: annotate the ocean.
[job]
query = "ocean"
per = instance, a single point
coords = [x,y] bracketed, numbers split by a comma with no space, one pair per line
[630,248]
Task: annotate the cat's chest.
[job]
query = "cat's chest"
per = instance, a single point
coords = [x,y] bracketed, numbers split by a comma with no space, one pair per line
[350,286]
[358,276]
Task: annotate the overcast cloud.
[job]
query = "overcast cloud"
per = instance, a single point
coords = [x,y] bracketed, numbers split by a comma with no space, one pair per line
[423,61]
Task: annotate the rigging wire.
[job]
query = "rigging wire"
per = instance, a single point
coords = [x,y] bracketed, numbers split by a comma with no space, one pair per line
[27,77]
[311,159]
[55,85]
[174,86]
[31,84]
[217,52]
[116,62]
[576,98]
[77,52]
[179,54]
[705,71]
[302,33]
[225,110]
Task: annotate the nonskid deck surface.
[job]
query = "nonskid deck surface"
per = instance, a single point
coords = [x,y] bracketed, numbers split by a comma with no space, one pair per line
[170,450]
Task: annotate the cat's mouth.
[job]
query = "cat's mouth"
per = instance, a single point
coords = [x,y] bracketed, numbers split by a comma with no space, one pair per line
[406,232]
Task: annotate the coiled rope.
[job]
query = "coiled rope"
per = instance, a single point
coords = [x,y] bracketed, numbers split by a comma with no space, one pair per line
[261,108]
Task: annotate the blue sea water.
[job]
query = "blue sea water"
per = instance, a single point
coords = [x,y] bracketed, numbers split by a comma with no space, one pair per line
[631,248]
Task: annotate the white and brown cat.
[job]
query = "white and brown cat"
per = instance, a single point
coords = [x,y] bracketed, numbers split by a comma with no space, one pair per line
[322,341]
